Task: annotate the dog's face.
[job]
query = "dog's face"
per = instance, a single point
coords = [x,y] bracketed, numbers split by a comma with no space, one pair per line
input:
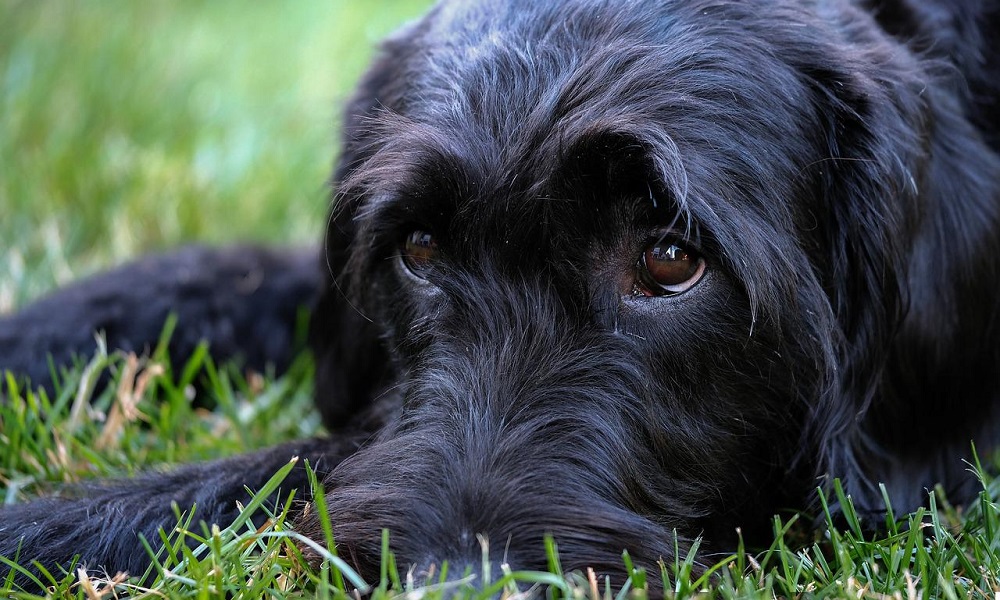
[617,272]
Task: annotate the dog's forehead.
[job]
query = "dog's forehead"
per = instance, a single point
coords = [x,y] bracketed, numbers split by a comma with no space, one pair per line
[510,93]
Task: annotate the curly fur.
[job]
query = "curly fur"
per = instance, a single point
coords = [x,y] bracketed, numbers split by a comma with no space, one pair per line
[835,162]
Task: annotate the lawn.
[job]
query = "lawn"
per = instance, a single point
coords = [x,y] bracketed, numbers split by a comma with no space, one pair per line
[134,126]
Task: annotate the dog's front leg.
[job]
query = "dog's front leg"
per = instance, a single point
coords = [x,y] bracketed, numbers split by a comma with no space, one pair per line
[102,523]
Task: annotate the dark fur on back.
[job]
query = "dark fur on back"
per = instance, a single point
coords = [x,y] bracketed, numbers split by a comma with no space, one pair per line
[835,163]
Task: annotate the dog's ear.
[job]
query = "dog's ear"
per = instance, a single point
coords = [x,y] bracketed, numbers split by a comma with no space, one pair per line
[910,214]
[352,364]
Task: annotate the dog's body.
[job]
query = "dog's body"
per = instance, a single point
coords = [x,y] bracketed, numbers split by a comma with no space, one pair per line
[615,270]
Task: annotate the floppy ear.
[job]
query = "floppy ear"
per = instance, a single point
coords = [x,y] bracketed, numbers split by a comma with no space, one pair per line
[911,221]
[352,364]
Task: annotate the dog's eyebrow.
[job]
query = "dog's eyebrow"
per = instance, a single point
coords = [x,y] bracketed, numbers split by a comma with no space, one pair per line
[634,160]
[406,160]
[414,177]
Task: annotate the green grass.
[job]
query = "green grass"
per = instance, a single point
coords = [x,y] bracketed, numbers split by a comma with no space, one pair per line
[132,126]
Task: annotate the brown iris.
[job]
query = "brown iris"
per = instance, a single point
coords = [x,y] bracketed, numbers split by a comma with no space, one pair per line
[667,267]
[419,249]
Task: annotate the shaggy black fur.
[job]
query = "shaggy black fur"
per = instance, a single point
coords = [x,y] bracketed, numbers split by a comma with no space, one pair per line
[244,300]
[835,164]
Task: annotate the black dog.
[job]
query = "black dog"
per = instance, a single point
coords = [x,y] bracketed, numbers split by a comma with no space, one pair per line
[615,270]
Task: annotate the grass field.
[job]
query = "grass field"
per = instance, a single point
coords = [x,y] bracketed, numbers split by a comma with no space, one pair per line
[134,126]
[131,126]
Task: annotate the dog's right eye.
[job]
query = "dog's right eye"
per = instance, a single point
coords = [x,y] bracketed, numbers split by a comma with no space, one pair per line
[419,249]
[666,268]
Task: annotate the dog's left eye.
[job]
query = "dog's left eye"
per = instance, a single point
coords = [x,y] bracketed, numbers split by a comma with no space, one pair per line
[419,249]
[666,267]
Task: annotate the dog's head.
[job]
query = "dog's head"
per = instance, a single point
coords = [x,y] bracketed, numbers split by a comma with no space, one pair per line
[625,271]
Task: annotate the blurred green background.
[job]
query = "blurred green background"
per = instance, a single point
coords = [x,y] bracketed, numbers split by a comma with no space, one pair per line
[132,126]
